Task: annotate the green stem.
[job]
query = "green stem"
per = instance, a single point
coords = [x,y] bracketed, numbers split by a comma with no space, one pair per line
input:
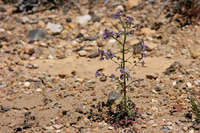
[117,40]
[123,67]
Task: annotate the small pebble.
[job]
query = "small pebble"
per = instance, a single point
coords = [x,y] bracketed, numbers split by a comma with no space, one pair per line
[56,126]
[27,84]
[110,128]
[50,57]
[38,89]
[149,113]
[174,83]
[82,53]
[188,115]
[156,88]
[197,82]
[68,20]
[189,85]
[83,20]
[54,28]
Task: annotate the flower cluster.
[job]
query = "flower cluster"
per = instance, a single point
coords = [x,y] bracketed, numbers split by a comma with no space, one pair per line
[117,15]
[126,21]
[140,48]
[123,72]
[107,34]
[105,55]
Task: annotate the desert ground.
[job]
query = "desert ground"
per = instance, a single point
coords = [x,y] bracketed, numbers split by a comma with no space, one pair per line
[48,60]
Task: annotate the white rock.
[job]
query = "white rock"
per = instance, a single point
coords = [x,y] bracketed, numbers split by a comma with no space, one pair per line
[110,128]
[83,20]
[120,8]
[50,57]
[58,131]
[189,85]
[56,126]
[38,89]
[2,30]
[174,83]
[27,84]
[74,42]
[154,91]
[191,131]
[197,82]
[91,81]
[54,28]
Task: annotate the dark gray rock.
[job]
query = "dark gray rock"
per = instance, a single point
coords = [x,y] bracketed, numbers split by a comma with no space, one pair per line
[112,96]
[36,35]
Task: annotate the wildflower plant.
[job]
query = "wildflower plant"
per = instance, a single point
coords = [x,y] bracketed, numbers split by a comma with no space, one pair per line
[125,113]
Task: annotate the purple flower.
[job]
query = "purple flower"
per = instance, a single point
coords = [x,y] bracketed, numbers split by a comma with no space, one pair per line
[122,71]
[106,34]
[97,74]
[131,32]
[129,19]
[109,55]
[134,48]
[117,15]
[143,63]
[101,53]
[121,76]
[112,76]
[143,54]
[101,58]
[117,35]
[143,45]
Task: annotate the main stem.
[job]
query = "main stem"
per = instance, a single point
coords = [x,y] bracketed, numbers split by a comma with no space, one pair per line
[124,66]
